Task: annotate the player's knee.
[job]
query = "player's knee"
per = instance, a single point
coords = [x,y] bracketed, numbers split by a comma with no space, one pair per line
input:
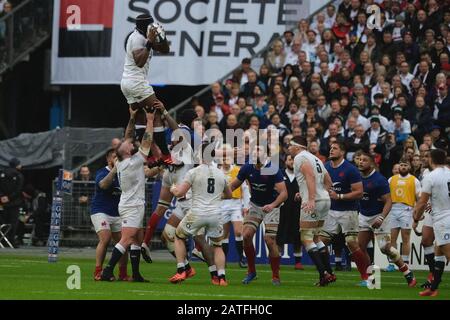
[216,242]
[351,241]
[307,235]
[325,236]
[270,240]
[180,234]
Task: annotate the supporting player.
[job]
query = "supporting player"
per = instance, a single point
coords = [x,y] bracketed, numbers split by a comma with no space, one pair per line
[313,181]
[436,188]
[170,177]
[208,185]
[267,193]
[134,85]
[345,194]
[105,215]
[130,170]
[374,216]
[405,191]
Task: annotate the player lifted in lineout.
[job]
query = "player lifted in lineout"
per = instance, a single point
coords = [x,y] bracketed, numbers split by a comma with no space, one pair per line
[147,37]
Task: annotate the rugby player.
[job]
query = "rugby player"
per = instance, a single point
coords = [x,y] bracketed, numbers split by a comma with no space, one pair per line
[345,194]
[131,174]
[313,182]
[375,206]
[436,188]
[267,194]
[105,215]
[139,46]
[208,185]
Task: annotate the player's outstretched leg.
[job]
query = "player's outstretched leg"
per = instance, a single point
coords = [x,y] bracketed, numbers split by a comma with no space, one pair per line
[135,258]
[428,247]
[298,254]
[274,255]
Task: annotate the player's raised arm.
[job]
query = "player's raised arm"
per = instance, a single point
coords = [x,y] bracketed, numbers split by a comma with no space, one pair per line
[147,139]
[170,121]
[107,181]
[129,131]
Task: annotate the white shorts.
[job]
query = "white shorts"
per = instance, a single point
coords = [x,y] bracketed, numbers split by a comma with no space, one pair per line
[272,217]
[341,221]
[441,230]
[182,208]
[365,224]
[192,223]
[132,217]
[231,210]
[401,218]
[102,221]
[428,221]
[176,176]
[321,212]
[136,91]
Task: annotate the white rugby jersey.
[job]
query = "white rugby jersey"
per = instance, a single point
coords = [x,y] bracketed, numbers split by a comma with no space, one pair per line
[132,180]
[207,186]
[130,69]
[437,184]
[319,174]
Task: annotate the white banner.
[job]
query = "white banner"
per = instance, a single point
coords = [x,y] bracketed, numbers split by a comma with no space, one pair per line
[208,37]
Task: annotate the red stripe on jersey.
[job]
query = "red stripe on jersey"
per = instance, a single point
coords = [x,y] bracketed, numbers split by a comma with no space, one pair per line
[92,12]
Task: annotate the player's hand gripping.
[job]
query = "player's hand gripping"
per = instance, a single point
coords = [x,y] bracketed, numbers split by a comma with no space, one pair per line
[378,222]
[268,207]
[152,35]
[133,112]
[150,115]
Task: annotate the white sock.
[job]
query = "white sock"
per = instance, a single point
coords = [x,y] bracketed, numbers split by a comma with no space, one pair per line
[370,244]
[405,259]
[239,238]
[135,247]
[225,240]
[120,248]
[212,268]
[180,265]
[320,245]
[428,250]
[311,246]
[221,272]
[186,261]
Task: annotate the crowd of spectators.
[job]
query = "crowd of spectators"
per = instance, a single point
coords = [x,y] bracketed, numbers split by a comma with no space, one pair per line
[383,90]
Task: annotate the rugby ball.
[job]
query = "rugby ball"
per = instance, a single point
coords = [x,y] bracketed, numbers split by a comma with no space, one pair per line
[161,34]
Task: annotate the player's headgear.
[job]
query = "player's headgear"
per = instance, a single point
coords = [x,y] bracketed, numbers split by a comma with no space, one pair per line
[142,23]
[299,141]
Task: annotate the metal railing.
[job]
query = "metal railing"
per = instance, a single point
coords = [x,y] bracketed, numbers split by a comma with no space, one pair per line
[76,225]
[174,111]
[23,30]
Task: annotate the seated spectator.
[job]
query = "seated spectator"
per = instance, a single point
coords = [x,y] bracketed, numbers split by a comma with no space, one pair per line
[264,76]
[248,88]
[233,96]
[441,111]
[260,106]
[376,133]
[220,108]
[359,141]
[240,76]
[212,120]
[210,99]
[421,121]
[399,126]
[313,147]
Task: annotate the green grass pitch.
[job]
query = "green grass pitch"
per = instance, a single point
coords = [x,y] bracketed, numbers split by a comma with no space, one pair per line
[32,277]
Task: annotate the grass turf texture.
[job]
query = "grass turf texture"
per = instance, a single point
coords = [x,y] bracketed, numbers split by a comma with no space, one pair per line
[31,277]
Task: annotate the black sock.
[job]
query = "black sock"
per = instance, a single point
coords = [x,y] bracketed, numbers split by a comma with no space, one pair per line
[315,257]
[240,249]
[429,258]
[439,267]
[181,270]
[135,258]
[160,140]
[325,257]
[213,273]
[115,257]
[298,259]
[371,253]
[225,248]
[187,267]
